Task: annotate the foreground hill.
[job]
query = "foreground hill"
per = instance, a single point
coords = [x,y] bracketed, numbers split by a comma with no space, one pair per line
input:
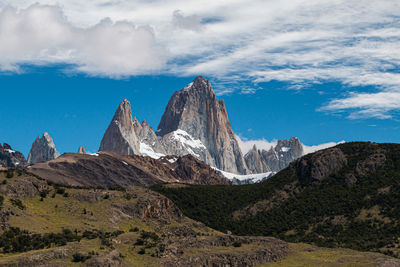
[46,224]
[346,196]
[108,170]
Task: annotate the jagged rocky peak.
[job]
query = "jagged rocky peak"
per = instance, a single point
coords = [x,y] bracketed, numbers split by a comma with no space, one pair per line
[43,149]
[286,151]
[255,162]
[10,158]
[196,111]
[81,150]
[120,136]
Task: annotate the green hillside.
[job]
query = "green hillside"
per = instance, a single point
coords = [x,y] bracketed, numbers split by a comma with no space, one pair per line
[347,196]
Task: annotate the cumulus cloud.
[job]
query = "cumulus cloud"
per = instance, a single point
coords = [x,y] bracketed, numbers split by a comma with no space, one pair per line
[42,35]
[301,42]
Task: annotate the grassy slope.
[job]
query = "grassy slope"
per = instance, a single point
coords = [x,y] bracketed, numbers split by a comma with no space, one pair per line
[304,255]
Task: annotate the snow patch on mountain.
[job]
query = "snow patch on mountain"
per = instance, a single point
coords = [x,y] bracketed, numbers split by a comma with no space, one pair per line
[186,139]
[146,150]
[248,178]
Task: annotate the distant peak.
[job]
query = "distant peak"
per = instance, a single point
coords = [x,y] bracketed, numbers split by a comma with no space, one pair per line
[6,146]
[200,80]
[144,123]
[124,103]
[81,150]
[123,114]
[254,147]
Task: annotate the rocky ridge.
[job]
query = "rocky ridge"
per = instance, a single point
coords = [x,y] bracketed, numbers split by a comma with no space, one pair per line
[195,123]
[276,158]
[10,158]
[43,149]
[110,170]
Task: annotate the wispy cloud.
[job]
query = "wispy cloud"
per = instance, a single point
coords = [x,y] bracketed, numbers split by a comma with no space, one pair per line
[262,144]
[246,145]
[311,149]
[356,43]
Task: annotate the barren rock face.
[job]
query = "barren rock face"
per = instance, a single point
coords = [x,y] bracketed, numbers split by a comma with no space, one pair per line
[43,149]
[320,165]
[255,162]
[10,158]
[280,156]
[120,136]
[147,137]
[196,110]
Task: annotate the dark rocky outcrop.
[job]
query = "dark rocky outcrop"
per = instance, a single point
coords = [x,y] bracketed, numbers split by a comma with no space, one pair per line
[265,249]
[320,165]
[10,158]
[43,149]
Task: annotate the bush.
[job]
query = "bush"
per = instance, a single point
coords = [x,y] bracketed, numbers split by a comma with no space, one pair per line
[60,191]
[18,203]
[66,194]
[44,193]
[15,240]
[237,244]
[10,174]
[142,251]
[79,257]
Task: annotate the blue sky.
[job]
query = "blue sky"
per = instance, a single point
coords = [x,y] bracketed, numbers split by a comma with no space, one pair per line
[322,70]
[76,110]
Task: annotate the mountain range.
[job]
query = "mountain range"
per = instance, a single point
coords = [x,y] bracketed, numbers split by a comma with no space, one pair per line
[194,122]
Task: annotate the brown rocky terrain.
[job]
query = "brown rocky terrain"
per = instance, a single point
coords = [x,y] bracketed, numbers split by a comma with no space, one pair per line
[107,169]
[145,229]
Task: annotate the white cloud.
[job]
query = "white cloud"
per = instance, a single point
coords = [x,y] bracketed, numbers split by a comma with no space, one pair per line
[262,144]
[42,35]
[246,145]
[302,42]
[364,105]
[311,149]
